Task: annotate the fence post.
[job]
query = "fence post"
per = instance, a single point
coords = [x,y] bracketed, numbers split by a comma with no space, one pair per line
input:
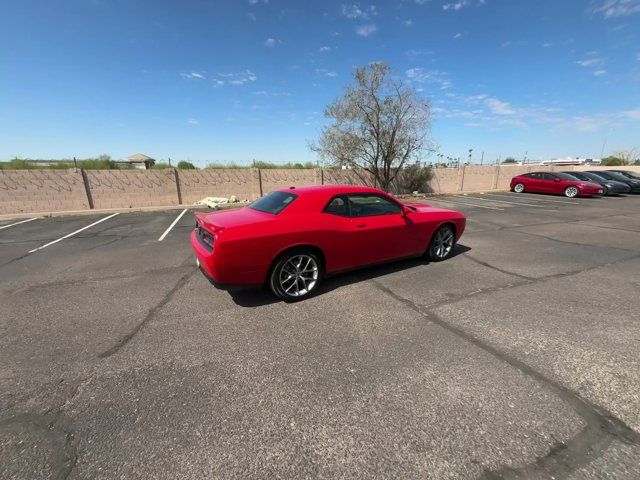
[321,176]
[177,177]
[260,181]
[461,189]
[495,186]
[87,188]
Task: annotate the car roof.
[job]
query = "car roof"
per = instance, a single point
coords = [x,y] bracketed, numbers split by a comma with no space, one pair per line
[314,197]
[329,189]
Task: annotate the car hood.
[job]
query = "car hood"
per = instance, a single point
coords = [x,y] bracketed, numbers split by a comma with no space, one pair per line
[425,207]
[236,217]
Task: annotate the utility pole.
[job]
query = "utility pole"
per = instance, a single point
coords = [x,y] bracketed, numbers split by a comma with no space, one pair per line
[470,153]
[170,163]
[482,158]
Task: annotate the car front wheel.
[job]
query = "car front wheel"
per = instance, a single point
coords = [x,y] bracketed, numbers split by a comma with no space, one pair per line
[442,243]
[296,275]
[518,188]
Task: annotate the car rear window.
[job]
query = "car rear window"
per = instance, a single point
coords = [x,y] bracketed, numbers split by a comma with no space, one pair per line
[273,202]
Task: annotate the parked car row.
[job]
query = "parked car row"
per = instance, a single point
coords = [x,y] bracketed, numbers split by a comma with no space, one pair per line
[578,184]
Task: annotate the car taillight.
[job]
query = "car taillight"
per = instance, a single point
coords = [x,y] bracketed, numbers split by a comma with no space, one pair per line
[206,238]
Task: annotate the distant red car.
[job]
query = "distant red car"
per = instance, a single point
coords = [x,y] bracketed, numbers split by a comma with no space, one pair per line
[290,239]
[557,182]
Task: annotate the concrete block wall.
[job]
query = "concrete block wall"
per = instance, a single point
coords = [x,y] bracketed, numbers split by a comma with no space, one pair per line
[132,188]
[277,178]
[36,191]
[198,184]
[30,191]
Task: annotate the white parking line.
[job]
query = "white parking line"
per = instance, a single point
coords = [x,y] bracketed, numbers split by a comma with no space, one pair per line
[468,204]
[172,225]
[536,199]
[18,223]
[73,233]
[505,201]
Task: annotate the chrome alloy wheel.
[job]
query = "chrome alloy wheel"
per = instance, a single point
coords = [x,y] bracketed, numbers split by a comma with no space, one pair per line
[298,275]
[571,192]
[519,188]
[443,242]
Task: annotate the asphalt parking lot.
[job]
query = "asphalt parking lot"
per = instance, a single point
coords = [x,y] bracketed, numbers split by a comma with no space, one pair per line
[517,358]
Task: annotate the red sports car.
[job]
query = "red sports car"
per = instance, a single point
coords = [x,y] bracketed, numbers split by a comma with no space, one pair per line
[290,239]
[556,182]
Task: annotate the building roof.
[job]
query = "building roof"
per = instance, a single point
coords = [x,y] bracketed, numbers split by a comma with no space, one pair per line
[140,157]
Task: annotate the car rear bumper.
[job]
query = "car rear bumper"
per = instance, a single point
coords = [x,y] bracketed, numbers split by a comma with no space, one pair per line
[221,274]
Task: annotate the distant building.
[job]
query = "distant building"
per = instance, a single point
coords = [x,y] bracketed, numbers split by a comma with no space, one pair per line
[141,161]
[572,161]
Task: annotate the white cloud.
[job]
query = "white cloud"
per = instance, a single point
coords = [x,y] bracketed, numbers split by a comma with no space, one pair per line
[193,75]
[355,11]
[638,56]
[547,45]
[324,49]
[505,44]
[255,2]
[457,35]
[235,78]
[590,62]
[366,30]
[436,77]
[599,73]
[455,6]
[617,8]
[252,16]
[192,121]
[408,23]
[272,42]
[326,73]
[499,107]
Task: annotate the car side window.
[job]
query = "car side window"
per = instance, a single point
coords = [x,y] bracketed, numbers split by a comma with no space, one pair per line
[337,206]
[548,176]
[533,175]
[367,205]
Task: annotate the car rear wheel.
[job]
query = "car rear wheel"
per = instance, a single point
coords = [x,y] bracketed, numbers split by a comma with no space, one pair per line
[518,188]
[571,192]
[442,243]
[296,275]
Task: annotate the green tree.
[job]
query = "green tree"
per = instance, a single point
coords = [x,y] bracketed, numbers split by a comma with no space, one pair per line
[184,165]
[509,160]
[612,161]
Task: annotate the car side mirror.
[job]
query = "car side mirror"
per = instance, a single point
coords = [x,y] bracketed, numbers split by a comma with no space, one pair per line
[405,210]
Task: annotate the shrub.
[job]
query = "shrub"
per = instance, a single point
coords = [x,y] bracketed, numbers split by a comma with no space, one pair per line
[613,162]
[184,165]
[414,178]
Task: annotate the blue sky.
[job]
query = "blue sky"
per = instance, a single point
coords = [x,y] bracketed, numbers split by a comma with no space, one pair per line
[234,80]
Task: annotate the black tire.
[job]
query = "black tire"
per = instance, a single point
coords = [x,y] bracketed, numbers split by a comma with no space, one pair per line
[292,280]
[436,251]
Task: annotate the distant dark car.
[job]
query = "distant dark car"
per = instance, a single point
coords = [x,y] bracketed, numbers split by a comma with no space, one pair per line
[558,183]
[618,177]
[611,187]
[627,173]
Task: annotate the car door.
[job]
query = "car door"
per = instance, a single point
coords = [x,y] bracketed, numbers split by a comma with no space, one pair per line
[532,183]
[550,183]
[381,230]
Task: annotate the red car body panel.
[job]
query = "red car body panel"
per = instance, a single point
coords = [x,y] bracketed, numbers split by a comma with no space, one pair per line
[247,241]
[557,185]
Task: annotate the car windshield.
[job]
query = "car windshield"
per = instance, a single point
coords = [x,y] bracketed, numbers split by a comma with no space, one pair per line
[273,202]
[616,176]
[566,176]
[628,174]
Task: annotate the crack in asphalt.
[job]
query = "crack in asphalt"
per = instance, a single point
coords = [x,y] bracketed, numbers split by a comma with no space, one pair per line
[602,426]
[148,317]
